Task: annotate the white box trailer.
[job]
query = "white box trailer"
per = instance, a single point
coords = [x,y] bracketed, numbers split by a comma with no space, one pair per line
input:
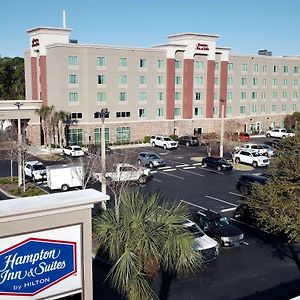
[64,176]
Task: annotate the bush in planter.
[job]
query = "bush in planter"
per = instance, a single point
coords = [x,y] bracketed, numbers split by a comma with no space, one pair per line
[174,137]
[147,139]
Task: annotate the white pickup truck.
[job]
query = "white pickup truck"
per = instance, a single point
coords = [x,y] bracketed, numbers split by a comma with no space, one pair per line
[127,172]
[279,133]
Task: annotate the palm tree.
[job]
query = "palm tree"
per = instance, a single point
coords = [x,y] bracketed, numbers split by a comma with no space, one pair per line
[61,117]
[46,113]
[145,237]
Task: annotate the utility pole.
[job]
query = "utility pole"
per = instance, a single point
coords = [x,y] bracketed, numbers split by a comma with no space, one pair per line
[19,104]
[222,129]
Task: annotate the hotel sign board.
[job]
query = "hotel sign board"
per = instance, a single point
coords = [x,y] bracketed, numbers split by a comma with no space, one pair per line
[41,264]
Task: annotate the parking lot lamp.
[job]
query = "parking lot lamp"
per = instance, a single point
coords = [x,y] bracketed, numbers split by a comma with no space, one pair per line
[222,129]
[104,113]
[19,104]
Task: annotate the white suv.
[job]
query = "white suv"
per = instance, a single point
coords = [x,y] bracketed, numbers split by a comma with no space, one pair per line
[163,141]
[251,157]
[35,170]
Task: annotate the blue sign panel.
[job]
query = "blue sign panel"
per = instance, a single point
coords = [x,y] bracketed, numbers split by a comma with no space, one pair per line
[34,265]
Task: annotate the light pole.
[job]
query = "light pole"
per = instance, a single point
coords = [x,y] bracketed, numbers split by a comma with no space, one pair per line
[19,104]
[222,129]
[104,113]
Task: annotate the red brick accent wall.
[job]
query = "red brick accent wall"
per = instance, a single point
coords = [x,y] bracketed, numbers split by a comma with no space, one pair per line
[34,79]
[223,86]
[210,88]
[170,88]
[43,68]
[188,75]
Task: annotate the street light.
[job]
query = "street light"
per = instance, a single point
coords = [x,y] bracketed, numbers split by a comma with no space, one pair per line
[19,104]
[104,113]
[222,129]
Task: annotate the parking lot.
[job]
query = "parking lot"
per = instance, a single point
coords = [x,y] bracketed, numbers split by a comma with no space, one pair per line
[263,267]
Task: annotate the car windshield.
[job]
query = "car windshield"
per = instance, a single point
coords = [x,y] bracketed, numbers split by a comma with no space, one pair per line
[222,161]
[77,148]
[256,154]
[221,222]
[167,139]
[153,156]
[195,230]
[39,167]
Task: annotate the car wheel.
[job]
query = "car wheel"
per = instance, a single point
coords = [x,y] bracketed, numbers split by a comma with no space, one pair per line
[165,147]
[153,144]
[151,165]
[237,160]
[187,144]
[218,241]
[204,165]
[268,135]
[142,179]
[139,162]
[64,187]
[254,164]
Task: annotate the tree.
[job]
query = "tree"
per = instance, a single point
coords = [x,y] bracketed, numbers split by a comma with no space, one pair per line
[60,122]
[211,140]
[277,203]
[147,236]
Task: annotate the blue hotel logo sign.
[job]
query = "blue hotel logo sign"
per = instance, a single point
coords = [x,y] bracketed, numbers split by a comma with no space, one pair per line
[34,265]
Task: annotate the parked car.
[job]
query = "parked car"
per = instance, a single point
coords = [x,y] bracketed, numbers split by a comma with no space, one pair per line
[246,181]
[150,159]
[244,137]
[73,151]
[238,136]
[216,162]
[163,141]
[262,149]
[279,133]
[36,170]
[219,228]
[188,140]
[207,246]
[251,157]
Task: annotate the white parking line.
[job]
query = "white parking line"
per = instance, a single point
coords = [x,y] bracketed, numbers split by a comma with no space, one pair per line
[153,172]
[181,166]
[184,170]
[163,168]
[169,170]
[196,205]
[172,175]
[236,194]
[197,164]
[187,168]
[220,200]
[227,209]
[157,180]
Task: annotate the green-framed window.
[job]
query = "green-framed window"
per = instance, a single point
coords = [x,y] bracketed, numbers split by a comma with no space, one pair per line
[123,134]
[101,61]
[74,136]
[72,60]
[97,136]
[73,79]
[101,96]
[73,97]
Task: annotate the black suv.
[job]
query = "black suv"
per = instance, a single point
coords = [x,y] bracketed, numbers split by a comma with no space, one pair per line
[219,228]
[216,162]
[245,182]
[188,140]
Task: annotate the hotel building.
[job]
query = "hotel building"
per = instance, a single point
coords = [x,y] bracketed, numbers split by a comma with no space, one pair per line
[180,87]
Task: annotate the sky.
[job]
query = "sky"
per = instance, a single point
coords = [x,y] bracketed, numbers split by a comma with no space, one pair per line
[243,25]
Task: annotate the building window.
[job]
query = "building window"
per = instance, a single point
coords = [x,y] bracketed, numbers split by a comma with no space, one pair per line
[123,62]
[254,95]
[142,79]
[160,112]
[296,69]
[178,64]
[254,108]
[123,79]
[143,63]
[142,112]
[284,94]
[275,69]
[76,115]
[242,109]
[274,95]
[264,69]
[263,95]
[178,80]
[160,96]
[243,95]
[217,66]
[74,136]
[216,81]
[72,60]
[285,69]
[295,82]
[274,82]
[101,62]
[101,96]
[263,108]
[177,96]
[123,134]
[229,96]
[198,65]
[284,82]
[216,96]
[198,80]
[229,81]
[198,111]
[73,79]
[123,96]
[295,95]
[215,110]
[264,82]
[243,81]
[101,79]
[142,96]
[177,111]
[255,68]
[294,107]
[160,64]
[97,136]
[198,96]
[274,108]
[160,80]
[244,67]
[230,67]
[228,110]
[73,97]
[283,107]
[123,114]
[255,82]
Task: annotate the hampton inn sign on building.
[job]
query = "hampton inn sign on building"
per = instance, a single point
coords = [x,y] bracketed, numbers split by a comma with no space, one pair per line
[178,87]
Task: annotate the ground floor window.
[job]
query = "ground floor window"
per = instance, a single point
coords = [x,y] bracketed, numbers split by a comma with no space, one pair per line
[97,136]
[123,134]
[74,136]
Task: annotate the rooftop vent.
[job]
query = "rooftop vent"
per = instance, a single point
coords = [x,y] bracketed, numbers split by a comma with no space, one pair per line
[73,41]
[264,52]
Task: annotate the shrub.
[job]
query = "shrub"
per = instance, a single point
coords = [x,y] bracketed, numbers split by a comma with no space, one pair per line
[7,180]
[147,139]
[174,137]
